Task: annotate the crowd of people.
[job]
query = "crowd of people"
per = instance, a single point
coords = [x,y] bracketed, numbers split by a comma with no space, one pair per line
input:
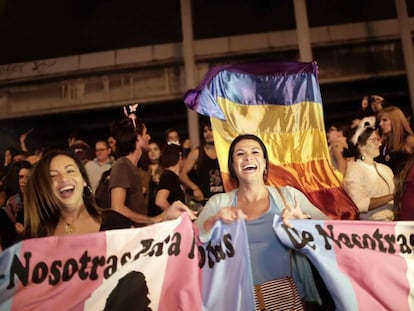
[130,180]
[126,180]
[372,155]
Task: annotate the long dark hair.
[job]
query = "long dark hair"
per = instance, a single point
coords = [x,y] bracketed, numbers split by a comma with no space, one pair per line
[11,183]
[126,133]
[400,185]
[233,175]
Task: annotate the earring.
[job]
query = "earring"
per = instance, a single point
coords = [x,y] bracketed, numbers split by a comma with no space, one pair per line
[87,192]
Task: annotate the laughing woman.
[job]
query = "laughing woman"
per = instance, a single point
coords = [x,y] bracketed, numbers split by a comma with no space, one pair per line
[257,203]
[58,201]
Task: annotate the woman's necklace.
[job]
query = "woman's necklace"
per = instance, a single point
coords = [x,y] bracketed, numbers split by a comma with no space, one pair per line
[70,226]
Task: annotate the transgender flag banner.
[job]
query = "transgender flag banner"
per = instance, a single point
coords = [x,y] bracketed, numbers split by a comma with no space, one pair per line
[228,285]
[110,270]
[158,267]
[280,103]
[366,265]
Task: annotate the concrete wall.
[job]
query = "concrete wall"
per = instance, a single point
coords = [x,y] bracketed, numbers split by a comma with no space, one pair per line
[155,73]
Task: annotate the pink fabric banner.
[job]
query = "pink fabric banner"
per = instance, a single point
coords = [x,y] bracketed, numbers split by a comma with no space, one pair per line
[366,265]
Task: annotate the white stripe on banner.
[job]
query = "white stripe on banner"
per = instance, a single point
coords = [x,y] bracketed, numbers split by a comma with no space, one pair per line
[405,228]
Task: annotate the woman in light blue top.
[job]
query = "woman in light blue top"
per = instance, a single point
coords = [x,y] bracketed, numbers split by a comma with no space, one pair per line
[258,203]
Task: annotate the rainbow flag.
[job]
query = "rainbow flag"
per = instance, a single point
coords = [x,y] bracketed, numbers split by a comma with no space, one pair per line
[280,103]
[366,265]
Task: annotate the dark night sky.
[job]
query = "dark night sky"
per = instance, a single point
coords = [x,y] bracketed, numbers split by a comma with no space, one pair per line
[51,28]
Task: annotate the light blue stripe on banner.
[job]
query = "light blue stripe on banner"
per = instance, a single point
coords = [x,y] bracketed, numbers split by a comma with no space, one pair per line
[325,261]
[6,260]
[228,284]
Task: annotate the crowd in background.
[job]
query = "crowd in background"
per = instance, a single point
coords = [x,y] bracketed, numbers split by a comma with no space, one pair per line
[140,182]
[371,154]
[129,180]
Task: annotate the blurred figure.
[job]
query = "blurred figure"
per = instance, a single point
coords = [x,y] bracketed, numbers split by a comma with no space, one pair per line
[80,147]
[18,155]
[338,146]
[172,136]
[12,214]
[11,182]
[31,155]
[186,147]
[201,170]
[169,188]
[154,170]
[397,138]
[100,164]
[370,184]
[112,144]
[8,160]
[102,191]
[404,191]
[370,107]
[9,188]
[23,138]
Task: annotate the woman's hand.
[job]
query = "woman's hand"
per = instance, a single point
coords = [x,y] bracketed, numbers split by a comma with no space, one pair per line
[289,213]
[364,103]
[19,228]
[198,194]
[339,144]
[176,209]
[226,215]
[230,214]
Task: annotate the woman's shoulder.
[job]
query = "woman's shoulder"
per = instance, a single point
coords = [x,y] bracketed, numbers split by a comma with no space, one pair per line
[220,200]
[384,167]
[354,164]
[123,165]
[219,197]
[355,168]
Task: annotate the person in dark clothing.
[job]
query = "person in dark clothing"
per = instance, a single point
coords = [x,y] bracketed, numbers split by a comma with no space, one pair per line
[12,213]
[201,170]
[169,188]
